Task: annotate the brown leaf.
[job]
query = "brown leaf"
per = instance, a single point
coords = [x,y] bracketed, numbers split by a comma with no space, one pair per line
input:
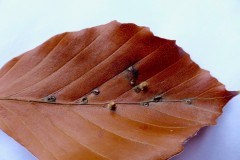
[110,92]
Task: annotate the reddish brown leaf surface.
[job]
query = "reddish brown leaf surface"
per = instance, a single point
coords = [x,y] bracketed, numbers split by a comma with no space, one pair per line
[71,65]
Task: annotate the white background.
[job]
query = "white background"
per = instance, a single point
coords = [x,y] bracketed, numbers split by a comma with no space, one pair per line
[209,30]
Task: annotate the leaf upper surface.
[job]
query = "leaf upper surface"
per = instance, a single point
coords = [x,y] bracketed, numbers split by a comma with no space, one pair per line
[161,96]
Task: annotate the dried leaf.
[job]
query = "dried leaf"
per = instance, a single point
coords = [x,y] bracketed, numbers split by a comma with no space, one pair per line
[114,91]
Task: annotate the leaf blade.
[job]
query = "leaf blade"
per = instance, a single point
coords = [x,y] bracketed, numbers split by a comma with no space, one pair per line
[71,65]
